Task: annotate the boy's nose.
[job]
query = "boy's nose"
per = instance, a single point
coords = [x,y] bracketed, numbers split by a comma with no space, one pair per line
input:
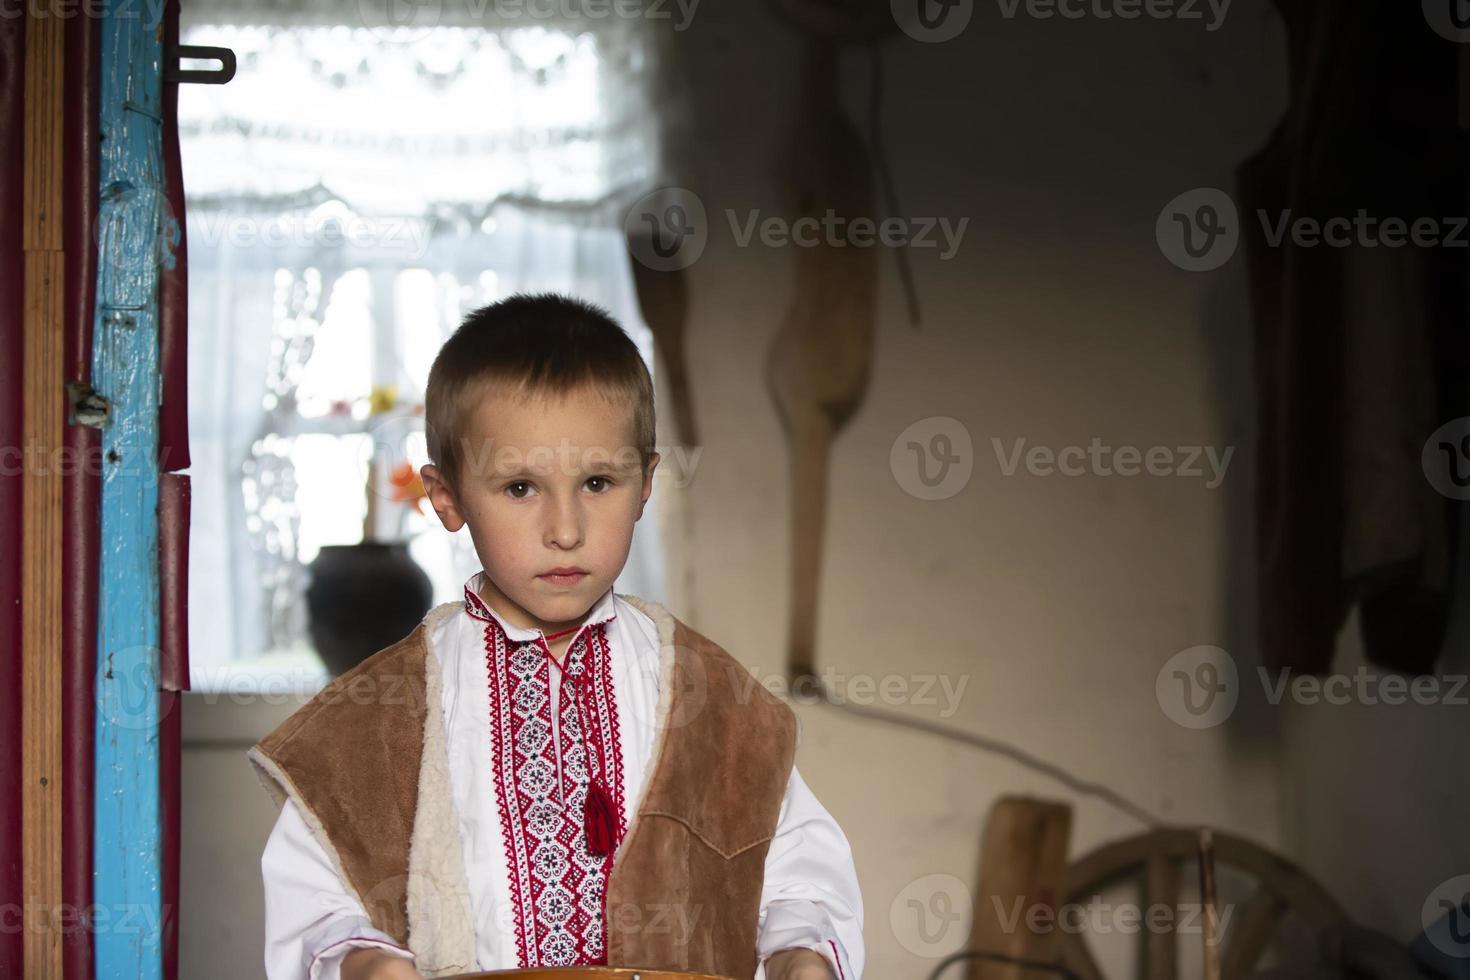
[565,529]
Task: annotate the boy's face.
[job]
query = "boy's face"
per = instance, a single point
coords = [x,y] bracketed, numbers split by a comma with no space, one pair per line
[547,483]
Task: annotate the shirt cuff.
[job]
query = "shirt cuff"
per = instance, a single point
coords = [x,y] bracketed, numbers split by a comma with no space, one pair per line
[342,938]
[802,925]
[828,951]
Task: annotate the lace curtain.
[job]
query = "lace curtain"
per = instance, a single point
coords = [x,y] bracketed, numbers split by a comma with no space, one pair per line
[350,194]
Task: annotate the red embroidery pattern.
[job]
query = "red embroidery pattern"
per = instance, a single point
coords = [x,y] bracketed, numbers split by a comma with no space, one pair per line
[558,889]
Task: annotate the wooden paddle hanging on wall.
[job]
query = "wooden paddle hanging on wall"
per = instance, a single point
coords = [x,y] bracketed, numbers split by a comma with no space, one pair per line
[663,299]
[818,366]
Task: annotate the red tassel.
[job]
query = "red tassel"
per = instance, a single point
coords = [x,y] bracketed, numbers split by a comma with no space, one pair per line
[597,820]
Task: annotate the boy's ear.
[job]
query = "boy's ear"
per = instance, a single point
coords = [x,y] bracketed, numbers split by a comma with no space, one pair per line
[647,484]
[442,497]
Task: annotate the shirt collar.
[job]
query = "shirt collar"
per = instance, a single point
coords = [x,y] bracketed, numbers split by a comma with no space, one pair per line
[602,611]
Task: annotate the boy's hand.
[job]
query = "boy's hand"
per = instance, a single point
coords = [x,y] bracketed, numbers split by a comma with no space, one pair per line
[374,964]
[797,964]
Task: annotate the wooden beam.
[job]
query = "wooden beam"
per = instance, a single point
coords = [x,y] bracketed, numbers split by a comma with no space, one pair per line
[127,810]
[41,528]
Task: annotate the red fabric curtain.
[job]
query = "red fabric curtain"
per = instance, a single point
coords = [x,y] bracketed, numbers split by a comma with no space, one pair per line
[12,112]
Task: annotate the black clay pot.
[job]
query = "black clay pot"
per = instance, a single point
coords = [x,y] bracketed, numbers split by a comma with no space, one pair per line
[362,598]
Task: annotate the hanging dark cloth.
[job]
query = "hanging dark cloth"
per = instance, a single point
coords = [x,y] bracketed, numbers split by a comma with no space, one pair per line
[1360,351]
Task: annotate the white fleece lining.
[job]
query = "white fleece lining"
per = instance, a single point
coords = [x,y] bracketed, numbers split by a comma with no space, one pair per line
[439,929]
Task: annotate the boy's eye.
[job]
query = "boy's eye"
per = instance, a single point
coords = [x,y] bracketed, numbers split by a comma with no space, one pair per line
[598,484]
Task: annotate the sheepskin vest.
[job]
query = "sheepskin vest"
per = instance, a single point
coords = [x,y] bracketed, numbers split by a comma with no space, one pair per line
[365,760]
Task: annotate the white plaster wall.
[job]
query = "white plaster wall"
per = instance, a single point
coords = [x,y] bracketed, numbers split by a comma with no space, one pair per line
[1374,795]
[1058,598]
[227,817]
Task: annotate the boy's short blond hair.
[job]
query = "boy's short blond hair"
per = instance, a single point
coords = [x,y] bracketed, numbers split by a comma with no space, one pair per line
[530,345]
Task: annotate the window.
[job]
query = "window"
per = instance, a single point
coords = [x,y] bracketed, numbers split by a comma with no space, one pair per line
[350,194]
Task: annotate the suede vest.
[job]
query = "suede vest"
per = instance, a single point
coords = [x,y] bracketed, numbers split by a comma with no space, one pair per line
[365,761]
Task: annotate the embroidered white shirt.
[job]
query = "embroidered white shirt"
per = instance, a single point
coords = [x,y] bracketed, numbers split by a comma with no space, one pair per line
[809,898]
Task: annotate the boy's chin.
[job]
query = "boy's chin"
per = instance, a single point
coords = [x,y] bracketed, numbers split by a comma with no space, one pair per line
[560,603]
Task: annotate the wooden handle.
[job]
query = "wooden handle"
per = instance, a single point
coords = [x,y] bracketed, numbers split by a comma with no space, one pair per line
[1207,899]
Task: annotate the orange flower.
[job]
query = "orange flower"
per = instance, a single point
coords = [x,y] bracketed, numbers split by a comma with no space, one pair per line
[408,486]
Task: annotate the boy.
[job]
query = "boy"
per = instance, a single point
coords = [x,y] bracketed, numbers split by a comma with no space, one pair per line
[548,773]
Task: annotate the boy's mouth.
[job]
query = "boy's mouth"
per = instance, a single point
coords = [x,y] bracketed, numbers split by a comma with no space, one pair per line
[565,575]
